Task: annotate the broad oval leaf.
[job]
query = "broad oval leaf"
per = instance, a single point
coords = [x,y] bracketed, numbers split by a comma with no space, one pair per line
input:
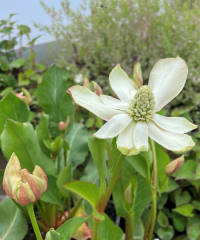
[13,223]
[86,190]
[98,151]
[13,108]
[77,139]
[52,97]
[21,138]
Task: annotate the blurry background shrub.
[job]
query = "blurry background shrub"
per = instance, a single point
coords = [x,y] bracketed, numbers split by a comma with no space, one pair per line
[102,33]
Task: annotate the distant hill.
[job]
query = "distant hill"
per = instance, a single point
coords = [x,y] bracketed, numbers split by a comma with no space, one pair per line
[46,52]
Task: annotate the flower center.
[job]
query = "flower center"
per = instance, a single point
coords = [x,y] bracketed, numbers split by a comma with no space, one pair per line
[143,104]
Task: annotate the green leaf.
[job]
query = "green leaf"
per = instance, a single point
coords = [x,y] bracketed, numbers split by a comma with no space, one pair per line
[139,163]
[43,133]
[98,151]
[52,195]
[186,171]
[107,230]
[185,210]
[78,145]
[64,176]
[143,193]
[162,161]
[13,108]
[21,138]
[23,29]
[86,190]
[13,223]
[18,63]
[67,229]
[52,97]
[181,197]
[166,233]
[52,235]
[193,230]
[162,219]
[179,222]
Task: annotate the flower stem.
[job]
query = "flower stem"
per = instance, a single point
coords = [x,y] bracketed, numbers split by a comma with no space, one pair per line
[31,214]
[115,174]
[129,228]
[153,212]
[95,227]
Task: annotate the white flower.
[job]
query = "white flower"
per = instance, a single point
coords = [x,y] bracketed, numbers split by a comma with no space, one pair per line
[133,116]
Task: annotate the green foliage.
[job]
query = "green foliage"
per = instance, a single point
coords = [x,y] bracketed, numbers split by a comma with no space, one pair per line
[54,100]
[86,190]
[77,138]
[52,195]
[12,220]
[98,151]
[13,108]
[65,231]
[108,230]
[21,138]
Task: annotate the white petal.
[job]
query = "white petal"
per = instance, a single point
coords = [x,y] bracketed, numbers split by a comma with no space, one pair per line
[114,102]
[121,84]
[174,124]
[141,136]
[125,141]
[167,79]
[171,141]
[114,126]
[92,102]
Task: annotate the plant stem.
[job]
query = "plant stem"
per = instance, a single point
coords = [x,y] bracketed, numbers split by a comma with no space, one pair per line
[129,228]
[95,227]
[153,212]
[115,174]
[34,221]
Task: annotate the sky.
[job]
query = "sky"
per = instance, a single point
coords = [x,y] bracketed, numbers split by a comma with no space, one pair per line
[29,11]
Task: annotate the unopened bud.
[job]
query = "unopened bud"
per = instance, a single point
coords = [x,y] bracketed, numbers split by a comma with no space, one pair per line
[86,83]
[174,165]
[98,90]
[25,96]
[137,74]
[128,193]
[63,125]
[22,186]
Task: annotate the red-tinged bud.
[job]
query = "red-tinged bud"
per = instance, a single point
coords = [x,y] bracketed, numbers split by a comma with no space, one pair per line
[22,186]
[174,165]
[98,90]
[21,96]
[63,125]
[86,83]
[128,193]
[25,96]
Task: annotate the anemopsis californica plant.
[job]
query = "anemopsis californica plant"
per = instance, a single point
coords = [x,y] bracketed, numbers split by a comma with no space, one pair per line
[133,117]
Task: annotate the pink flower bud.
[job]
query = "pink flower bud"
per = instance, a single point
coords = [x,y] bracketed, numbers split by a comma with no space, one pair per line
[98,90]
[174,165]
[63,125]
[24,96]
[22,186]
